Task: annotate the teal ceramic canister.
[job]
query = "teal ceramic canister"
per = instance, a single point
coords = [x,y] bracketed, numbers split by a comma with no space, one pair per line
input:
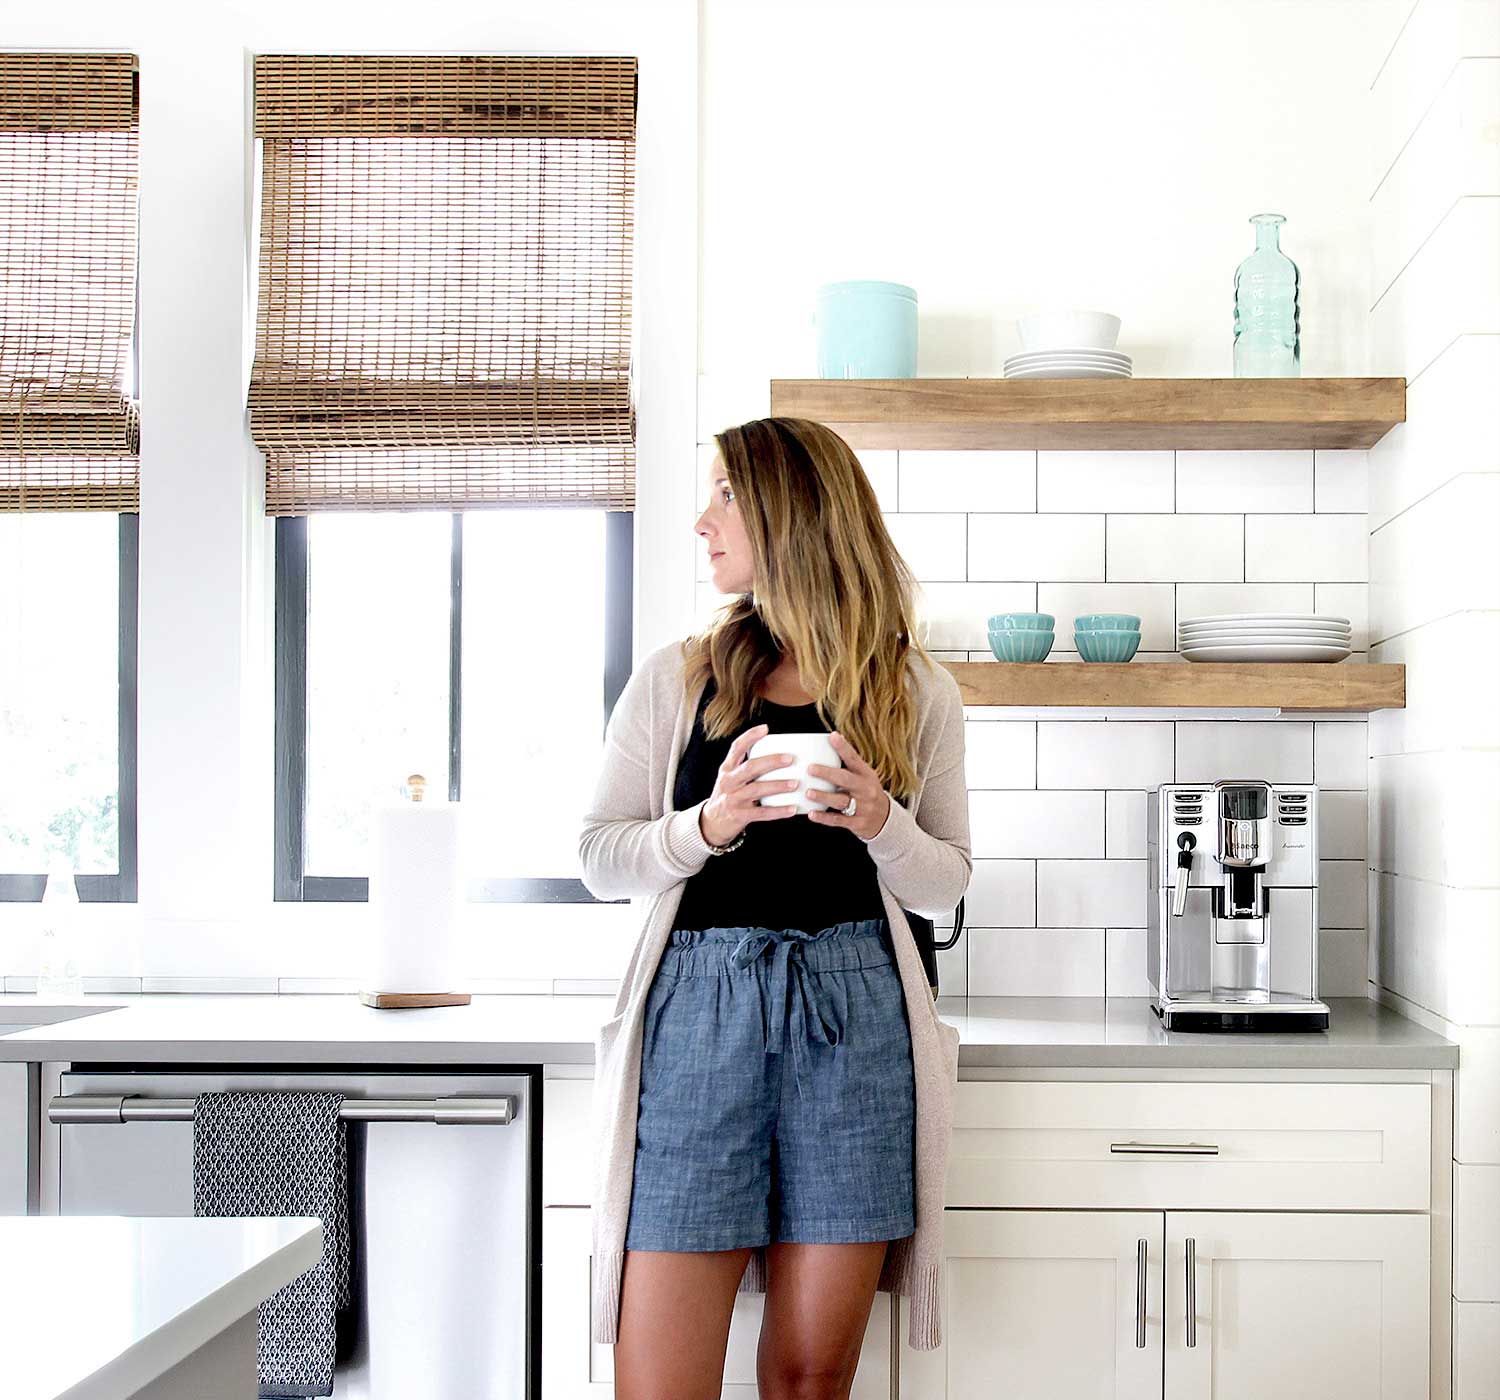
[866,330]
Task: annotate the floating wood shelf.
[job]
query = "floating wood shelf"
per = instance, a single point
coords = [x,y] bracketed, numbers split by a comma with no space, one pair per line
[1353,687]
[1098,413]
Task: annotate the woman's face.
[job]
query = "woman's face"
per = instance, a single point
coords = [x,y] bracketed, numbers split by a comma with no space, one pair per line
[723,534]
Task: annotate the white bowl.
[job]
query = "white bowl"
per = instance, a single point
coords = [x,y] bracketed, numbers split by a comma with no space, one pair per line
[1071,330]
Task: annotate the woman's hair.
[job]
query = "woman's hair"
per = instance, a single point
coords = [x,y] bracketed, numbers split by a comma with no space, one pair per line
[830,588]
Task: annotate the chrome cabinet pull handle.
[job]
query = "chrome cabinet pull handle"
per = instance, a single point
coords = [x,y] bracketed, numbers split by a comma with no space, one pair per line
[1192,1292]
[1190,1149]
[1140,1293]
[451,1109]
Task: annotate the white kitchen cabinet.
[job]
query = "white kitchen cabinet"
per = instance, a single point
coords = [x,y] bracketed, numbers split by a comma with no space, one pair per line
[1302,1307]
[575,1366]
[1049,1303]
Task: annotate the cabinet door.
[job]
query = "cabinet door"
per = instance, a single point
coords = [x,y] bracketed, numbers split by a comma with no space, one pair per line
[15,1138]
[1301,1307]
[1062,1304]
[573,1365]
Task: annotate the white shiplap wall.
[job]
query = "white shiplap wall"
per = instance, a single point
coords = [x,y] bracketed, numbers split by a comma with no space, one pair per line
[1434,186]
[1057,802]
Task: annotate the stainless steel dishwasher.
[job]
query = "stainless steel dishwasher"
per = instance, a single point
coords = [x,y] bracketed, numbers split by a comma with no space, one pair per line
[439,1163]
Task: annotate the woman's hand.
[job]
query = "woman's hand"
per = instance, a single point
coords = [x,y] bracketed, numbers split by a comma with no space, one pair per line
[734,802]
[872,802]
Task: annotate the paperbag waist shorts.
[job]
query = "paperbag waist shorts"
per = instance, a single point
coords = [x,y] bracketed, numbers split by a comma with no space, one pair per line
[776,1091]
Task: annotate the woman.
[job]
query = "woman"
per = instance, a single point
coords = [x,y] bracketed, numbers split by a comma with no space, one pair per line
[773,1096]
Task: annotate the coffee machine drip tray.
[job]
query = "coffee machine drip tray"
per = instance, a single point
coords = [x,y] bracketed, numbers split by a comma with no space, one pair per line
[1283,1011]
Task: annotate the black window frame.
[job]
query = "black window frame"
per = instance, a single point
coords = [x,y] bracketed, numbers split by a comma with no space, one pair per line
[122,886]
[290,881]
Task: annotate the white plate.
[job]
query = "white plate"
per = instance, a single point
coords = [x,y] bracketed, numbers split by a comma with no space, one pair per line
[1283,628]
[1113,356]
[1266,653]
[1292,619]
[1069,372]
[1266,639]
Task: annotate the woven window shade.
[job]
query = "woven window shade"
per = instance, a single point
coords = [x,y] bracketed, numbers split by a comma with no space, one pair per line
[69,436]
[445,282]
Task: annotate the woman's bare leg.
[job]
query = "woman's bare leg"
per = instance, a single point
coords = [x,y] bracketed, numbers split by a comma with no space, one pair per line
[675,1310]
[818,1299]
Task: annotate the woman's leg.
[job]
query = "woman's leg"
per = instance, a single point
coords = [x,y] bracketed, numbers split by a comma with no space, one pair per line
[675,1308]
[818,1299]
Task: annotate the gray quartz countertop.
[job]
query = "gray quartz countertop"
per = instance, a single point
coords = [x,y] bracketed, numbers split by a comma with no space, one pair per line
[505,1029]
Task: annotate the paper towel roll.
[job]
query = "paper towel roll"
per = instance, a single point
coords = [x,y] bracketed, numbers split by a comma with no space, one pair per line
[416,890]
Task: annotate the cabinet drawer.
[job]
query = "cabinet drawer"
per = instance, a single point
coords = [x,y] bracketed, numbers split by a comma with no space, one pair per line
[1242,1146]
[567,1142]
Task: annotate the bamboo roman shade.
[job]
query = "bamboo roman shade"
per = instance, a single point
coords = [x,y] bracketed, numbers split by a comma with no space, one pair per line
[69,436]
[444,317]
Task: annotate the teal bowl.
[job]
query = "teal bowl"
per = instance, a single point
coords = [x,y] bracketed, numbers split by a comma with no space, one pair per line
[1107,622]
[1022,622]
[1114,645]
[1021,646]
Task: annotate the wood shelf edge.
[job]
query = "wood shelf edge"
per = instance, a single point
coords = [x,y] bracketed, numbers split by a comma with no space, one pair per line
[1356,688]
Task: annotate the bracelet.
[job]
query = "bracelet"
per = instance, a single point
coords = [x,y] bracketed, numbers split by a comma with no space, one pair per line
[714,850]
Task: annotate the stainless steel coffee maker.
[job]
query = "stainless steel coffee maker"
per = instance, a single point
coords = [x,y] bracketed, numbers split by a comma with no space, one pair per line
[1232,908]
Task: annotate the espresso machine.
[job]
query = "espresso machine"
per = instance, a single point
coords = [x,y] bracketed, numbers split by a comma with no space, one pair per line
[1232,907]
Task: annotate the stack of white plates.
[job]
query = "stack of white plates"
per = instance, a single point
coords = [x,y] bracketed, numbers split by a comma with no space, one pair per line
[1077,363]
[1265,637]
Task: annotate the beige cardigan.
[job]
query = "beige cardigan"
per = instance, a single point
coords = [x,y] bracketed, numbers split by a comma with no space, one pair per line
[634,845]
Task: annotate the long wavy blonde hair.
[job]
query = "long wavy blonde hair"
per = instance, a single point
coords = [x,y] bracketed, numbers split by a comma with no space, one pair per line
[830,588]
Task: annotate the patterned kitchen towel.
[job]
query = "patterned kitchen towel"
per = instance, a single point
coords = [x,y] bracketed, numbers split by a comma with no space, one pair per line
[267,1152]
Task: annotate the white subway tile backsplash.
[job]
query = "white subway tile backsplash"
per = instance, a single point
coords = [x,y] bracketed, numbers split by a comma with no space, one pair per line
[1342,818]
[999,753]
[967,480]
[1452,685]
[1086,893]
[1476,1350]
[1033,962]
[1176,548]
[1342,897]
[1244,481]
[1105,481]
[934,546]
[1340,755]
[1283,548]
[1476,1225]
[1040,547]
[1002,894]
[1275,751]
[1122,754]
[1125,825]
[880,468]
[1341,481]
[1433,816]
[1342,962]
[1125,963]
[1476,1104]
[1037,824]
[957,614]
[1221,599]
[1151,602]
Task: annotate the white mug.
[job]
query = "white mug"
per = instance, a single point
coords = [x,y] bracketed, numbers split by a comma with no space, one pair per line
[805,749]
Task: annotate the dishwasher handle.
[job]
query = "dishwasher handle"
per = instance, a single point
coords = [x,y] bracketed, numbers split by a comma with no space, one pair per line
[451,1110]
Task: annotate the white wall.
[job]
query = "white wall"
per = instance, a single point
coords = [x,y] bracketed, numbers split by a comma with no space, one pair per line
[1434,183]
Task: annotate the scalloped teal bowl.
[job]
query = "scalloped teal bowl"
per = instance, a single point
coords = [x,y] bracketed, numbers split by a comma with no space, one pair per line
[1021,646]
[1022,622]
[1117,645]
[1107,622]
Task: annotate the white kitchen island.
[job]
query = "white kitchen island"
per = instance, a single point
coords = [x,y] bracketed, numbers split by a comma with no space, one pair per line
[104,1307]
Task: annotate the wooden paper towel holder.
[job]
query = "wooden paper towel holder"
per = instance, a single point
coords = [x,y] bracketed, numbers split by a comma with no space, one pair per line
[388,1001]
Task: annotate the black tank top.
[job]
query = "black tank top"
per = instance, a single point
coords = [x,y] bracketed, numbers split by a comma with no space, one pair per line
[790,872]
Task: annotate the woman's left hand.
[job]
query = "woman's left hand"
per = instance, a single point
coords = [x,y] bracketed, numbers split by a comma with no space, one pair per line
[872,804]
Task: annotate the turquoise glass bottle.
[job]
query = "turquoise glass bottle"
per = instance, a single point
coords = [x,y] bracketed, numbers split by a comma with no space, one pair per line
[1267,333]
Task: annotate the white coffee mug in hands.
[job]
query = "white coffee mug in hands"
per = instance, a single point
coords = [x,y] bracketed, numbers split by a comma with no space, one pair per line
[805,749]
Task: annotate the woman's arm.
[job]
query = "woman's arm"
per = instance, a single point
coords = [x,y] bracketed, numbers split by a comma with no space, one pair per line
[925,859]
[623,851]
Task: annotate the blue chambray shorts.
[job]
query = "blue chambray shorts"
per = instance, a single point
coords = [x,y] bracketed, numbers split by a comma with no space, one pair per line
[776,1093]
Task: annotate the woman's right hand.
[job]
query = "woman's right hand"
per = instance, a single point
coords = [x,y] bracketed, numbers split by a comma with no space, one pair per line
[734,802]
